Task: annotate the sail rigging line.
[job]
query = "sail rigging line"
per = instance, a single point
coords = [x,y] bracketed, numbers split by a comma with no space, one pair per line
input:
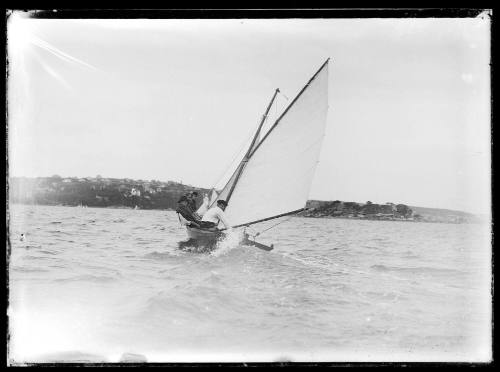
[250,133]
[267,219]
[247,155]
[273,226]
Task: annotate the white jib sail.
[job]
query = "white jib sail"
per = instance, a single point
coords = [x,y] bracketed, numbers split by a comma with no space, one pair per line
[234,177]
[207,202]
[204,206]
[213,196]
[278,175]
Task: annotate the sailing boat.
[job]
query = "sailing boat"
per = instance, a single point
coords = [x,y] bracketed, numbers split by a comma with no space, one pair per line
[274,177]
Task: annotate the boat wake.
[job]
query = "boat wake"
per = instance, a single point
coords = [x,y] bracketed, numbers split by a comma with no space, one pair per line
[217,247]
[231,240]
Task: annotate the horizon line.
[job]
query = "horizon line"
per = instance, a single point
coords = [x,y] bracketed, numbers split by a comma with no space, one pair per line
[201,187]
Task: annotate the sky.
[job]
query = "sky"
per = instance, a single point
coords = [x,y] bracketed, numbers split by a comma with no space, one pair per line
[409,101]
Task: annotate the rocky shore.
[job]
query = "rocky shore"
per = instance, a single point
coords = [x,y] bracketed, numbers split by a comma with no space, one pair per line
[388,212]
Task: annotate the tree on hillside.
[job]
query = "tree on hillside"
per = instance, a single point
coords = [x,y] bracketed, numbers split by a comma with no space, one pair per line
[371,208]
[351,207]
[404,210]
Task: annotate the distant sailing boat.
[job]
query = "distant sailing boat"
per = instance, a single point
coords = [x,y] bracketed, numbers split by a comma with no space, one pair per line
[274,177]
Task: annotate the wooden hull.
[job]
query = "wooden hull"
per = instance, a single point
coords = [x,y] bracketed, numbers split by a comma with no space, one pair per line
[202,234]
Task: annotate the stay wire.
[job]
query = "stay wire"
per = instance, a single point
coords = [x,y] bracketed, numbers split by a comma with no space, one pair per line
[273,226]
[239,152]
[232,161]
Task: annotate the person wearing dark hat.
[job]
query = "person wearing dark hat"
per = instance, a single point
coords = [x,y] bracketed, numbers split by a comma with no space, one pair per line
[216,214]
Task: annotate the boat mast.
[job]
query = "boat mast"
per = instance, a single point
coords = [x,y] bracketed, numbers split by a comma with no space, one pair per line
[240,168]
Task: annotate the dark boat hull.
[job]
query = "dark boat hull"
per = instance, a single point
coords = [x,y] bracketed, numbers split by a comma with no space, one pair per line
[210,236]
[203,234]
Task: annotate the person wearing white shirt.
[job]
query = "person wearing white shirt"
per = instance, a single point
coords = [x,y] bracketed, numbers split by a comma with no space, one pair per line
[216,214]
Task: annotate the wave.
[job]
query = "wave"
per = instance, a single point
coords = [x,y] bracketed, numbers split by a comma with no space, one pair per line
[49,252]
[158,255]
[196,301]
[163,304]
[317,263]
[29,270]
[416,270]
[30,246]
[91,278]
[36,258]
[59,232]
[231,241]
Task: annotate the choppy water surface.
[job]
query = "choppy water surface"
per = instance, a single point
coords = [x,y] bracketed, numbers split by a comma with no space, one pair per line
[96,285]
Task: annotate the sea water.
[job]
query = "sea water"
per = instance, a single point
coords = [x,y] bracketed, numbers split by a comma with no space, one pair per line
[109,285]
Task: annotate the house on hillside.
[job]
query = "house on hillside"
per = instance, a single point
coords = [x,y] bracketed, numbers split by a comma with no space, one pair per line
[146,186]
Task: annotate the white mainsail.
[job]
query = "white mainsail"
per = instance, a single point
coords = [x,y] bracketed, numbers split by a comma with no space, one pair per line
[277,174]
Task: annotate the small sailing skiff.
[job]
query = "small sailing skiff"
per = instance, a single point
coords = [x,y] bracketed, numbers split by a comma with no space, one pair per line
[274,177]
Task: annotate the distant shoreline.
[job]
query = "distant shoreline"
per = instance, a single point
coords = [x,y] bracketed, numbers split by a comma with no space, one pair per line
[126,193]
[297,215]
[384,220]
[93,206]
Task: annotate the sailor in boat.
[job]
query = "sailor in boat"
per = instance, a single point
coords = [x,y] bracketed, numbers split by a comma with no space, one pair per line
[185,210]
[216,214]
[191,218]
[191,196]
